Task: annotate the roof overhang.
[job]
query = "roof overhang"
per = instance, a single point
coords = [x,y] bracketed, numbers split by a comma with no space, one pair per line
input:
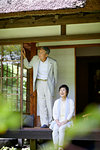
[88,14]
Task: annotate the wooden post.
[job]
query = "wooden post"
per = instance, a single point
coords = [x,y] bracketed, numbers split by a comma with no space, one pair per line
[12,79]
[17,86]
[63,29]
[28,92]
[21,86]
[33,144]
[33,97]
[7,78]
[1,69]
[30,49]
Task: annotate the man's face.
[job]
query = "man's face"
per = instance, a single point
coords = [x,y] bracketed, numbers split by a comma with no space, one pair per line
[42,54]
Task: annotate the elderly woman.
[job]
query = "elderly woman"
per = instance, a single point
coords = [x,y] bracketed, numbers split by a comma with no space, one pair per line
[63,111]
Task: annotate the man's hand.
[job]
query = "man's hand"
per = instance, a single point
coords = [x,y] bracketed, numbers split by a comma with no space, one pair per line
[35,93]
[24,53]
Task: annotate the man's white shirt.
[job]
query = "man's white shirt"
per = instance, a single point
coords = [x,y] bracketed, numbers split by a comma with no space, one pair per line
[43,70]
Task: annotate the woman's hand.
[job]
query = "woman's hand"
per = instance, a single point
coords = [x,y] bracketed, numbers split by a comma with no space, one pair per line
[63,122]
[58,123]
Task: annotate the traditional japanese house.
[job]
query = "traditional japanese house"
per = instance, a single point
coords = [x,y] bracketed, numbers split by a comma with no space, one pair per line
[70,30]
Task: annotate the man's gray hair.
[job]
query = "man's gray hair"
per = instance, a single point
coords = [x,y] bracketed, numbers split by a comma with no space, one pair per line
[46,49]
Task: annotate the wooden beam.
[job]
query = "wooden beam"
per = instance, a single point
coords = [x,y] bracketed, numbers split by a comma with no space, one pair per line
[50,38]
[72,46]
[29,133]
[46,134]
[50,20]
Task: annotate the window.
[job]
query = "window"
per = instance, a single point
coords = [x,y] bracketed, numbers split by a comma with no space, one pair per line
[10,76]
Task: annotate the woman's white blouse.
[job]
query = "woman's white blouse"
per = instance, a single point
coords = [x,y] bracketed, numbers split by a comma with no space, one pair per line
[56,110]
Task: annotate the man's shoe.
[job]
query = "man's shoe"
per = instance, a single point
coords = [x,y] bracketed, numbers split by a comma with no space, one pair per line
[44,126]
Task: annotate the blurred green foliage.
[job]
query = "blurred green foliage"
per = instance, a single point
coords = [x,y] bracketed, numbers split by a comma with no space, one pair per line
[8,118]
[12,48]
[81,127]
[84,125]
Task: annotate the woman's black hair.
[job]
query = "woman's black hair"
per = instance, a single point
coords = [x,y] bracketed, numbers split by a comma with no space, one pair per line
[64,86]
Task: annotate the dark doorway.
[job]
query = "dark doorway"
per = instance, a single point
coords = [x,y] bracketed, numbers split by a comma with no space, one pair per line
[94,82]
[87,82]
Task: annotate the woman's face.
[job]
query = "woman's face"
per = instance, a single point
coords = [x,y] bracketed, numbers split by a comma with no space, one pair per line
[63,93]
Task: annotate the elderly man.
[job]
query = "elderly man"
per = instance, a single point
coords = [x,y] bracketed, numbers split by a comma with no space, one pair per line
[44,79]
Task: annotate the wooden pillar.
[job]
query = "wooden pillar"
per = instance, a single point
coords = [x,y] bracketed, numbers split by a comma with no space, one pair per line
[28,55]
[63,29]
[28,92]
[33,145]
[1,69]
[33,98]
[12,79]
[21,86]
[30,49]
[17,81]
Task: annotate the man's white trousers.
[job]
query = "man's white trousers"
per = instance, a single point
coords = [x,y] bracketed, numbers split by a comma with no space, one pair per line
[45,101]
